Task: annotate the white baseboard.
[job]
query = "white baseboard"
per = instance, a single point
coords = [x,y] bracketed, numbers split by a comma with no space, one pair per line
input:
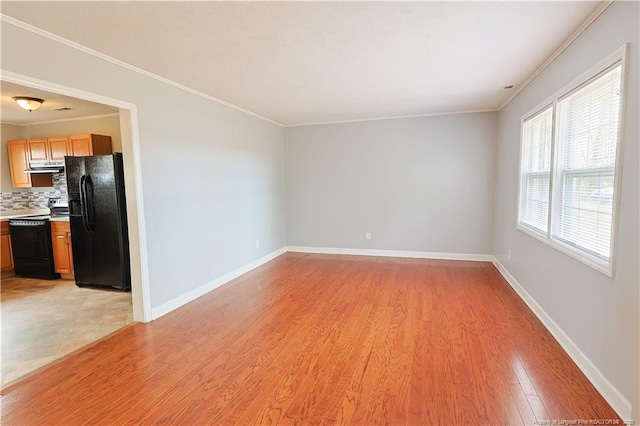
[613,396]
[183,299]
[392,253]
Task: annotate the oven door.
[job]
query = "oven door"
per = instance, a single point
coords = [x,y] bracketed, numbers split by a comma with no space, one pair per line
[29,239]
[32,248]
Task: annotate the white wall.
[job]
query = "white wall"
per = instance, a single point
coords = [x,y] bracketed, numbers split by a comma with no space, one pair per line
[9,133]
[108,125]
[598,313]
[213,177]
[417,184]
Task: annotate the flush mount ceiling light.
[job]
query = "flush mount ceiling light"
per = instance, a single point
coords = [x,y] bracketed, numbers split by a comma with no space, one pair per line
[30,104]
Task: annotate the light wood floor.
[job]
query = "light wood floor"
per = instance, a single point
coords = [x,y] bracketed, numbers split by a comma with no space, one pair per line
[310,339]
[44,320]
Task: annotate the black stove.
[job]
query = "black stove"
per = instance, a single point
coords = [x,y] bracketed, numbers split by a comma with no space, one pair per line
[32,245]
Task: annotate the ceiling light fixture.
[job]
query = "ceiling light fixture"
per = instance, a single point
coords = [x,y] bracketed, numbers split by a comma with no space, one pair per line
[30,104]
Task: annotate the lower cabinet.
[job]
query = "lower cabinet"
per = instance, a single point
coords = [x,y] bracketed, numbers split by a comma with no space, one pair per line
[62,254]
[5,249]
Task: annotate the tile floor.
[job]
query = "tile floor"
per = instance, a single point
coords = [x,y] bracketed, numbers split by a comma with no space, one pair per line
[44,320]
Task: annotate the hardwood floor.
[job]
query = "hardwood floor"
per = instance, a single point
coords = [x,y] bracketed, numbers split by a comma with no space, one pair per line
[310,339]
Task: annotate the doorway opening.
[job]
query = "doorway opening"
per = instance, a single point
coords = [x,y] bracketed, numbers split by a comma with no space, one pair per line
[56,315]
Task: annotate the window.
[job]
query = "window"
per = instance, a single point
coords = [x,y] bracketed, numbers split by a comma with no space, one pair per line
[569,166]
[536,170]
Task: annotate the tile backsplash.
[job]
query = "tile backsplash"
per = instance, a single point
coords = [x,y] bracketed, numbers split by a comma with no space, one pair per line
[35,199]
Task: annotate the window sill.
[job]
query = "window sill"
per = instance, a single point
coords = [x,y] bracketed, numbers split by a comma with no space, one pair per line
[605,268]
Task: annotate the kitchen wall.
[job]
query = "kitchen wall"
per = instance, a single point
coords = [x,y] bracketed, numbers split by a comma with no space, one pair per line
[212,176]
[599,314]
[34,198]
[24,198]
[416,184]
[108,125]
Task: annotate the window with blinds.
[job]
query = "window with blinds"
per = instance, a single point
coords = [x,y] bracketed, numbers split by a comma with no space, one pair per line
[568,169]
[536,170]
[588,139]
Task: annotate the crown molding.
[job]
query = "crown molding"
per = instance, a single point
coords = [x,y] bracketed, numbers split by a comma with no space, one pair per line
[596,13]
[85,49]
[601,8]
[62,120]
[397,117]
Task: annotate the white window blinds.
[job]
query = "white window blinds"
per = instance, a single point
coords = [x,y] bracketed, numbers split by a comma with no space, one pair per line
[587,138]
[537,135]
[569,165]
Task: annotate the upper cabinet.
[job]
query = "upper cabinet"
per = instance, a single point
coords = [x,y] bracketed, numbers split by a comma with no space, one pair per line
[85,145]
[19,161]
[58,148]
[38,149]
[24,151]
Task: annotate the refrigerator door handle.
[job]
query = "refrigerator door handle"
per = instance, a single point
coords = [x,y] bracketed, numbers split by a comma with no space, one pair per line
[84,207]
[83,204]
[91,208]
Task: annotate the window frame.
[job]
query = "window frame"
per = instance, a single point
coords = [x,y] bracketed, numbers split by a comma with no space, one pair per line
[583,255]
[532,114]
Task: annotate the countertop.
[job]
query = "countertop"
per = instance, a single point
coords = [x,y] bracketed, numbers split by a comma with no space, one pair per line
[10,214]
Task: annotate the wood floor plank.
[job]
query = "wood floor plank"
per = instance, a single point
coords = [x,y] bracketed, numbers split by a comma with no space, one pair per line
[318,403]
[324,339]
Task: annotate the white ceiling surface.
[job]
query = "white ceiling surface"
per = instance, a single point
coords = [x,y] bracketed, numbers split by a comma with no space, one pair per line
[13,114]
[306,62]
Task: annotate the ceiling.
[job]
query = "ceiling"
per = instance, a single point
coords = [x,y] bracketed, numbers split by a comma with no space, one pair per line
[308,62]
[13,114]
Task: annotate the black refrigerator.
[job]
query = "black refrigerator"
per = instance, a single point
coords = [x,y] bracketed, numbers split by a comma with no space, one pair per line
[98,219]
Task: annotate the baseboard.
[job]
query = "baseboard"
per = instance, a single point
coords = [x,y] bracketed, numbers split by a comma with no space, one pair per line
[392,253]
[613,396]
[181,300]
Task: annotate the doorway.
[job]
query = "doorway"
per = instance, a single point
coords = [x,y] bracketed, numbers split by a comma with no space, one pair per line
[109,310]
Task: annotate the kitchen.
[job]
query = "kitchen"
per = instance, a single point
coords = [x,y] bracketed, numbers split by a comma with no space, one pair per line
[65,267]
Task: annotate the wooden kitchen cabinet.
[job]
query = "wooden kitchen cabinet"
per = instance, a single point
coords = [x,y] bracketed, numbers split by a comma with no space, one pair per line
[6,263]
[85,145]
[62,253]
[18,162]
[38,149]
[22,151]
[19,151]
[58,148]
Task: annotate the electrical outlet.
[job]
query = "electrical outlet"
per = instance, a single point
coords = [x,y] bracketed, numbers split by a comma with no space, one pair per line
[367,235]
[509,254]
[257,243]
